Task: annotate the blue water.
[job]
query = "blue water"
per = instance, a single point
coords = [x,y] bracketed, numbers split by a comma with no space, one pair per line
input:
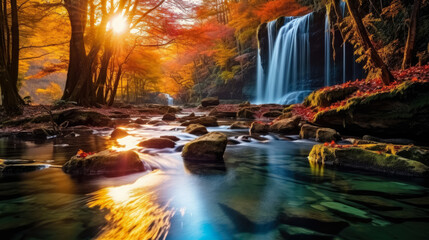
[264,190]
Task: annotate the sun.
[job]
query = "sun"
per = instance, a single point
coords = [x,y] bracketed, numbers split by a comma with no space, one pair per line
[118,24]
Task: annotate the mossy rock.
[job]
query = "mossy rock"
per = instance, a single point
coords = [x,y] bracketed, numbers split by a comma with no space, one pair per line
[207,148]
[401,112]
[360,158]
[105,163]
[326,97]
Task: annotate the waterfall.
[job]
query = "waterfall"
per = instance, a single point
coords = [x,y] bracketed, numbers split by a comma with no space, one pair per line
[169,99]
[327,51]
[296,57]
[343,6]
[289,61]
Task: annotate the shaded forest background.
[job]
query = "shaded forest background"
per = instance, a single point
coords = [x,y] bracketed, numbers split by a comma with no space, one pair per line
[188,49]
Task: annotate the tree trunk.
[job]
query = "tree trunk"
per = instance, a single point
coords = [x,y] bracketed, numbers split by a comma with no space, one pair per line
[15,43]
[102,76]
[77,15]
[115,86]
[386,76]
[411,38]
[11,100]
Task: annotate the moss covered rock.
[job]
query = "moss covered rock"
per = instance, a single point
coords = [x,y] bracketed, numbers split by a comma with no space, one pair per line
[209,147]
[401,112]
[363,157]
[326,97]
[105,162]
[308,131]
[239,125]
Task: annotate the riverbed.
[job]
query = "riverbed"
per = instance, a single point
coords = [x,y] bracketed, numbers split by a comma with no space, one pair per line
[264,190]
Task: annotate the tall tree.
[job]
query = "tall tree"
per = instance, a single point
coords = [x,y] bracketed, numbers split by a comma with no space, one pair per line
[386,76]
[9,58]
[411,38]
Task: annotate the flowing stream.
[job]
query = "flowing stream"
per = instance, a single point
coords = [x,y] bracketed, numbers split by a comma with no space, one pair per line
[263,190]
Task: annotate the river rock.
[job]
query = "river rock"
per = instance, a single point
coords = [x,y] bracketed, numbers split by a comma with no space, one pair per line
[361,158]
[313,219]
[215,112]
[259,127]
[105,162]
[196,129]
[272,114]
[246,113]
[239,125]
[210,101]
[118,133]
[286,126]
[205,121]
[209,147]
[308,131]
[172,138]
[347,211]
[133,125]
[141,121]
[157,143]
[169,117]
[327,135]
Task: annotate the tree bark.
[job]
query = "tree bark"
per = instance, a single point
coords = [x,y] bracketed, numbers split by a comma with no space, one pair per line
[411,38]
[386,76]
[77,10]
[11,100]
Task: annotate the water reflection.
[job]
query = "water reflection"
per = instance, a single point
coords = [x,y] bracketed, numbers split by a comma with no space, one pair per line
[134,210]
[316,169]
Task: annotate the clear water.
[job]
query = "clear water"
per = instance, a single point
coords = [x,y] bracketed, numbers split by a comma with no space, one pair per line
[264,190]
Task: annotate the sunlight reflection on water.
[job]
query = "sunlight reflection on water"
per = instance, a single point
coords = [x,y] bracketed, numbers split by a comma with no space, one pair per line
[134,210]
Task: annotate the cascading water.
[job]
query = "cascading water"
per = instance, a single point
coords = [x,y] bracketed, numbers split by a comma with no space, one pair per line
[169,99]
[289,61]
[296,57]
[327,51]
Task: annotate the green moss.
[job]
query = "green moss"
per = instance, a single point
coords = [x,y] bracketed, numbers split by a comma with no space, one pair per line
[361,158]
[411,95]
[326,97]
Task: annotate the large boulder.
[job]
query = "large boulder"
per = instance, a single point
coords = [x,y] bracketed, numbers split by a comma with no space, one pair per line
[196,129]
[371,157]
[105,163]
[209,147]
[401,112]
[210,101]
[327,135]
[286,126]
[205,121]
[308,131]
[272,114]
[157,143]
